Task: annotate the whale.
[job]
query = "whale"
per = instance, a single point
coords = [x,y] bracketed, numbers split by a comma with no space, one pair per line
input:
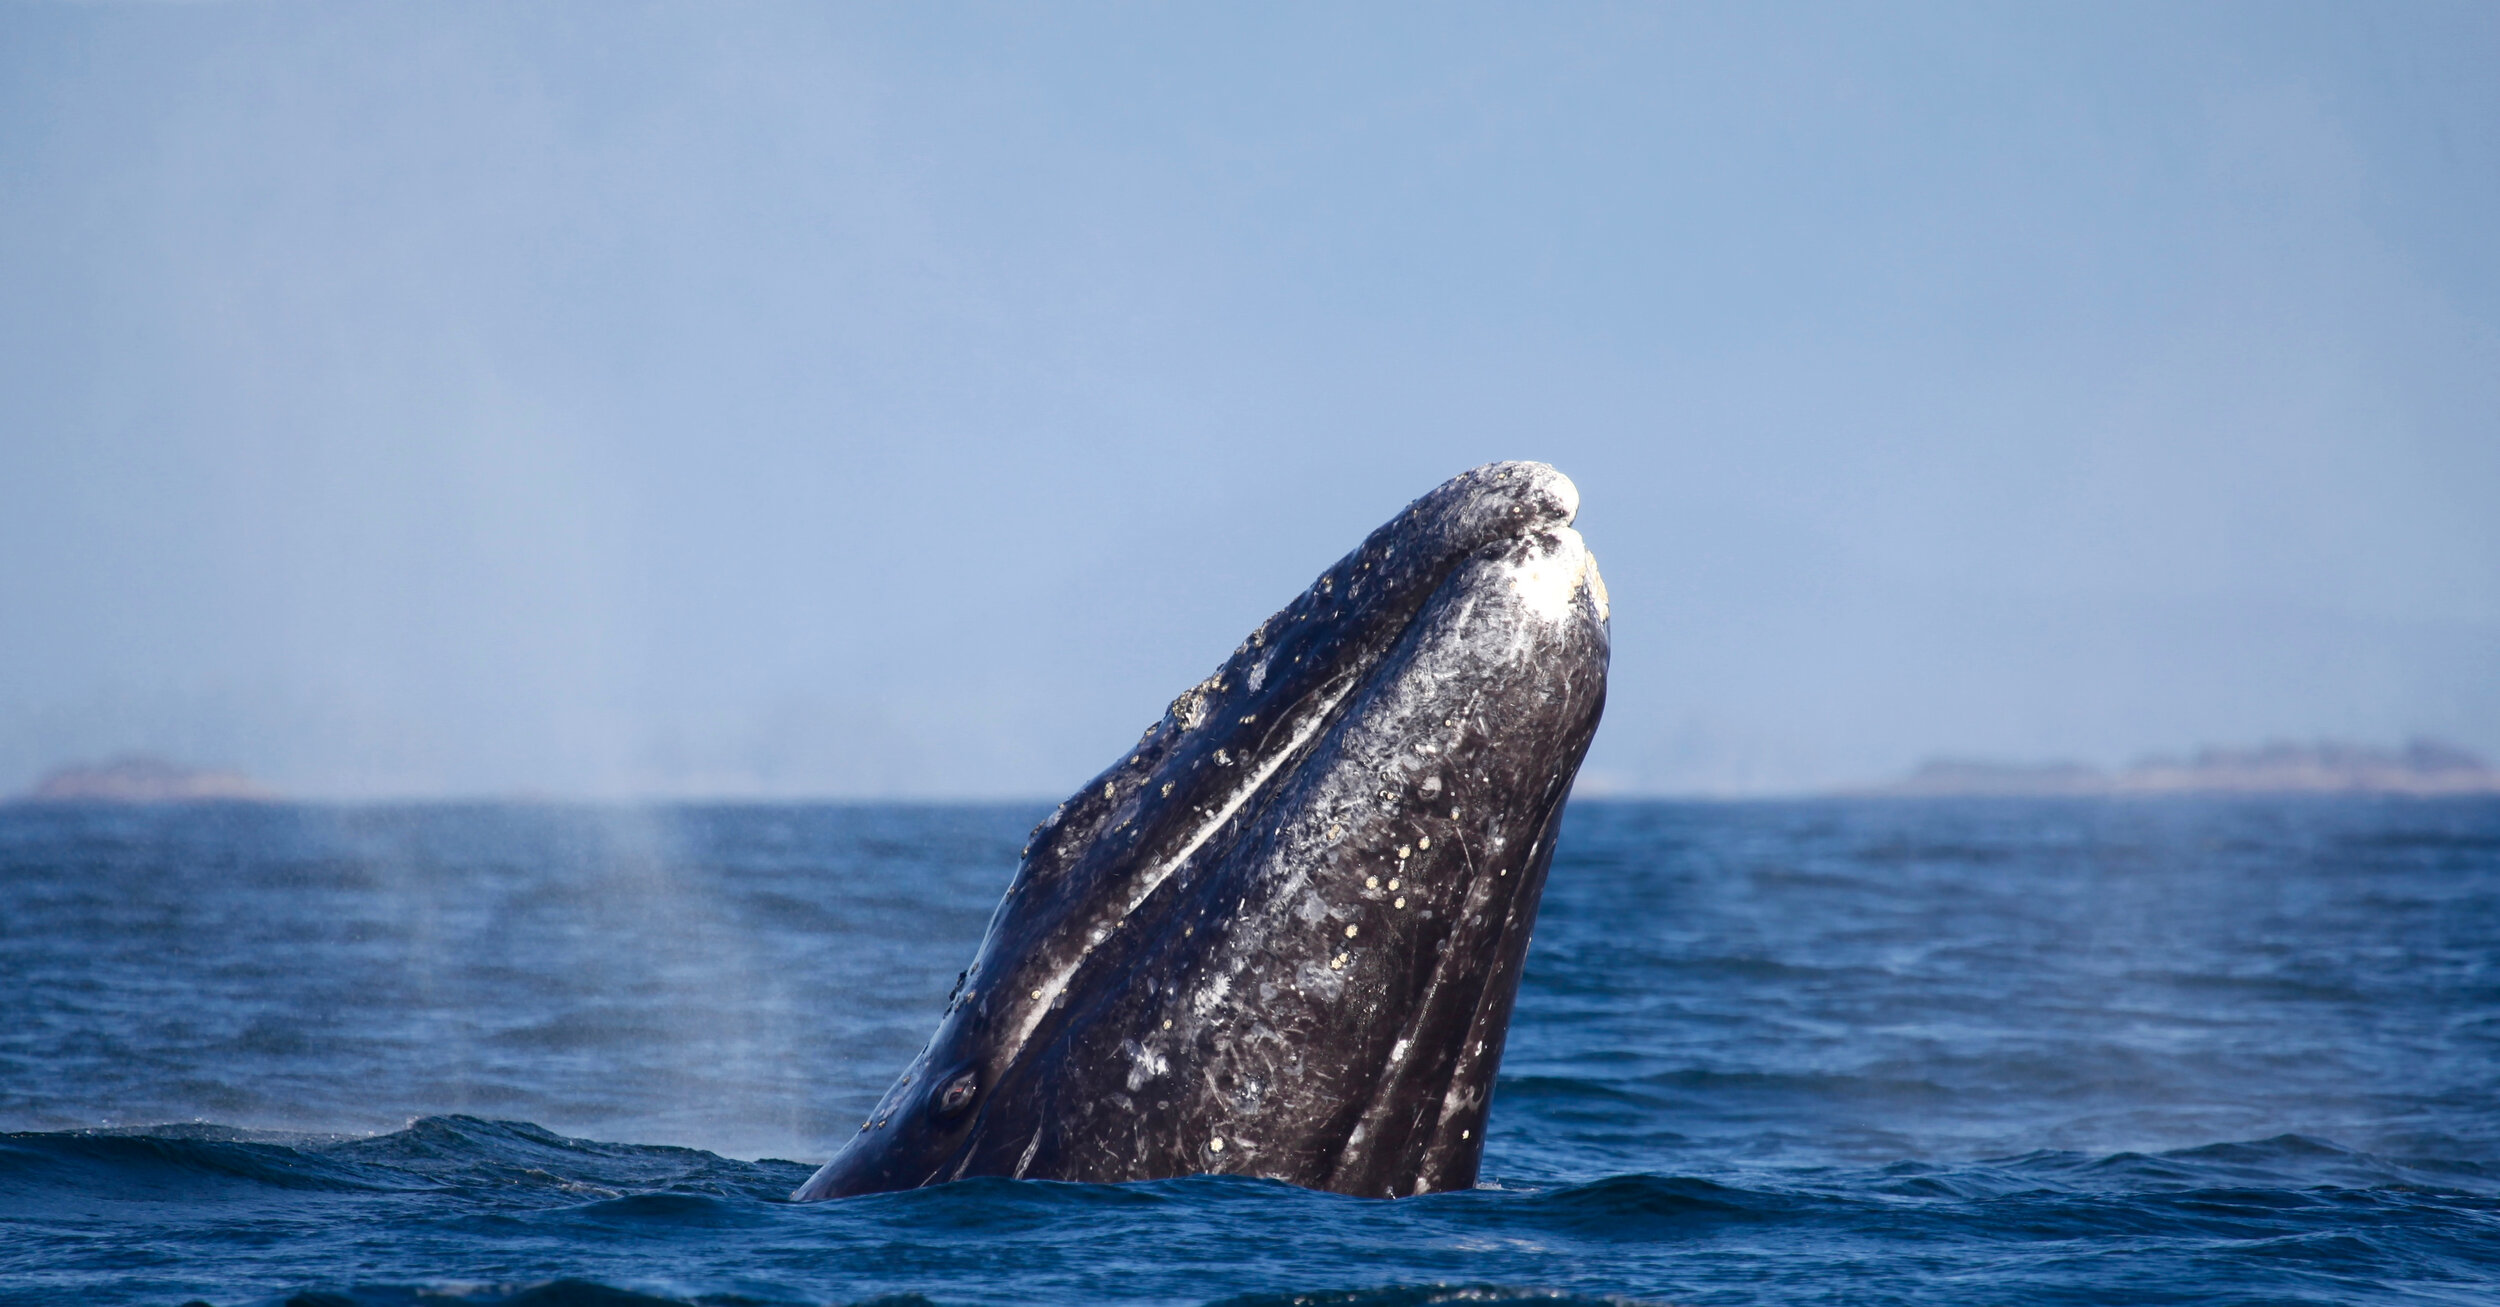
[1282,935]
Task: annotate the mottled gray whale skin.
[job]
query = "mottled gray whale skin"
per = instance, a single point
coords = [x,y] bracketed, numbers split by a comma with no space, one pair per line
[1282,935]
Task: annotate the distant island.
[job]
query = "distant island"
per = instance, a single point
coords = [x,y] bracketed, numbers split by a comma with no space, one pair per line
[2421,767]
[139,778]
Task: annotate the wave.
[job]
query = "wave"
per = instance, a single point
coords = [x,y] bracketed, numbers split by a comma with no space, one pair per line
[463,1153]
[1426,1295]
[452,1154]
[487,1212]
[591,1293]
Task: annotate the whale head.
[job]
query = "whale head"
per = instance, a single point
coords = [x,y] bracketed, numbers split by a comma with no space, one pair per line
[1282,935]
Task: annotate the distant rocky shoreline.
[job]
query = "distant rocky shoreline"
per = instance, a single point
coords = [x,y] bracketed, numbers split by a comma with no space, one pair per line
[139,778]
[2421,767]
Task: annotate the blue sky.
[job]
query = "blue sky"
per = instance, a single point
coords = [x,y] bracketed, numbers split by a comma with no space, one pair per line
[618,400]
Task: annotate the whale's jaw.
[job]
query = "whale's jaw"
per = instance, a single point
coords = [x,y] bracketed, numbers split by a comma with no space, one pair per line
[1282,936]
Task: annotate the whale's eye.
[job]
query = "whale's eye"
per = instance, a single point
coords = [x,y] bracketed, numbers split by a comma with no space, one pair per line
[956,1094]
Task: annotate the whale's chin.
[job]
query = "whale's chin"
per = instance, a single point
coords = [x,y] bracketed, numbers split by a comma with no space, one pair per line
[1282,935]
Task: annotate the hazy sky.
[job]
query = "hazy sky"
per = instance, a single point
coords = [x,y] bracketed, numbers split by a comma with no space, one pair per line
[652,399]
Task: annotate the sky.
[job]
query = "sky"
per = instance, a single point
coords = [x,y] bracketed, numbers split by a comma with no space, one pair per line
[753,400]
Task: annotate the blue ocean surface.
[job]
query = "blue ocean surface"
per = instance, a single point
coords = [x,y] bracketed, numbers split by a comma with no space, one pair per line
[2144,1051]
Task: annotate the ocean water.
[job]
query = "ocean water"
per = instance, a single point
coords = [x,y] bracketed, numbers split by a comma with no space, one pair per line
[1861,1052]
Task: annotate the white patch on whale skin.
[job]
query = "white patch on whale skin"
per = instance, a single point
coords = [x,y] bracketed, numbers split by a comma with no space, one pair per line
[1207,1001]
[1546,583]
[1595,583]
[1144,1064]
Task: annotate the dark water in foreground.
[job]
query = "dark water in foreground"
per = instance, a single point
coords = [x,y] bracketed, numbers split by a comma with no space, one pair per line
[2107,1052]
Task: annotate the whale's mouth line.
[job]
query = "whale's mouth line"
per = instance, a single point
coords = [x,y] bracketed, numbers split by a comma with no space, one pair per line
[1317,719]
